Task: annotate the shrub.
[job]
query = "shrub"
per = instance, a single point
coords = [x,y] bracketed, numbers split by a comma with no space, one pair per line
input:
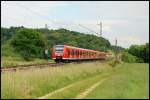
[127,57]
[29,43]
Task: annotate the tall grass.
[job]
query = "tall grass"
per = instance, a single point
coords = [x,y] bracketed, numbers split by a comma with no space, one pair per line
[130,82]
[35,83]
[13,61]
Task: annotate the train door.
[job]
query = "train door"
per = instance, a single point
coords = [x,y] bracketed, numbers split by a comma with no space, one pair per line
[70,56]
[79,54]
[72,53]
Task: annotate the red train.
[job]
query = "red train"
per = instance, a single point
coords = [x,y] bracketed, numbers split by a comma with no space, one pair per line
[66,53]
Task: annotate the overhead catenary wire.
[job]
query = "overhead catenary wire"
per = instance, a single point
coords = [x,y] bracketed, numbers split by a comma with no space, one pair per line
[14,19]
[88,29]
[36,13]
[85,28]
[45,18]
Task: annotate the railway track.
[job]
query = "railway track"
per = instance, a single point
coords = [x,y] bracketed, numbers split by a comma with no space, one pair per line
[24,67]
[29,66]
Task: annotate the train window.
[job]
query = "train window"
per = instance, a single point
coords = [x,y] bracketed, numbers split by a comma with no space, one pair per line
[74,52]
[59,49]
[70,51]
[77,52]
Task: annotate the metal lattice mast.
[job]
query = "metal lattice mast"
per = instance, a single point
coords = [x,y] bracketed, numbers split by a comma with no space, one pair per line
[100,24]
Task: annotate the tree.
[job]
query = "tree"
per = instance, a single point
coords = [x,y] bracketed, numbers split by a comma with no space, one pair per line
[140,51]
[29,43]
[127,57]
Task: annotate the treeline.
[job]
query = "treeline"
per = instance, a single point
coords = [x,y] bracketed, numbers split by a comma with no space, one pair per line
[136,53]
[31,43]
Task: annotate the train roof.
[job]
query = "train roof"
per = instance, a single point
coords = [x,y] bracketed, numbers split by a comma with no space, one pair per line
[64,45]
[80,48]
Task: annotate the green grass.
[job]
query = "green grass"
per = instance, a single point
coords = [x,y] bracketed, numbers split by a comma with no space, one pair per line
[77,87]
[126,81]
[130,81]
[36,83]
[13,61]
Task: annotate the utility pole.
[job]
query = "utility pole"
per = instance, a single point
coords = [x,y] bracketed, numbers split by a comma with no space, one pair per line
[47,51]
[116,49]
[115,42]
[116,46]
[100,24]
[46,26]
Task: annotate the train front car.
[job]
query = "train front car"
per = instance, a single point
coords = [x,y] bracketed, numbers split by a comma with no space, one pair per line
[57,53]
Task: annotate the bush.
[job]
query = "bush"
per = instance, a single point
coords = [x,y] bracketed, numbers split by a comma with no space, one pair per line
[29,43]
[140,51]
[127,57]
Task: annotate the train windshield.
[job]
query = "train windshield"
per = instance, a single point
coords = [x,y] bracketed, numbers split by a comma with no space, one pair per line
[59,49]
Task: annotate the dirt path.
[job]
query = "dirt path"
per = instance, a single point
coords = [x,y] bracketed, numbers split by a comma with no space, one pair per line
[56,91]
[88,90]
[81,95]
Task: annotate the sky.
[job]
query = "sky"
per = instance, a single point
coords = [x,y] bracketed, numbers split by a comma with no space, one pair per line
[126,21]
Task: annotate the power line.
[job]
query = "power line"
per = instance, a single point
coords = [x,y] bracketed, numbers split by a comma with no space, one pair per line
[38,14]
[16,21]
[88,29]
[85,28]
[49,19]
[54,21]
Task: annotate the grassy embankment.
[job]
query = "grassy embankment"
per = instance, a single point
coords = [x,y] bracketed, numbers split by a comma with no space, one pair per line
[10,58]
[125,81]
[11,61]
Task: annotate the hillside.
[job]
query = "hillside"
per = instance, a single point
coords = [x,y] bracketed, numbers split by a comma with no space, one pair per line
[60,36]
[63,36]
[12,56]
